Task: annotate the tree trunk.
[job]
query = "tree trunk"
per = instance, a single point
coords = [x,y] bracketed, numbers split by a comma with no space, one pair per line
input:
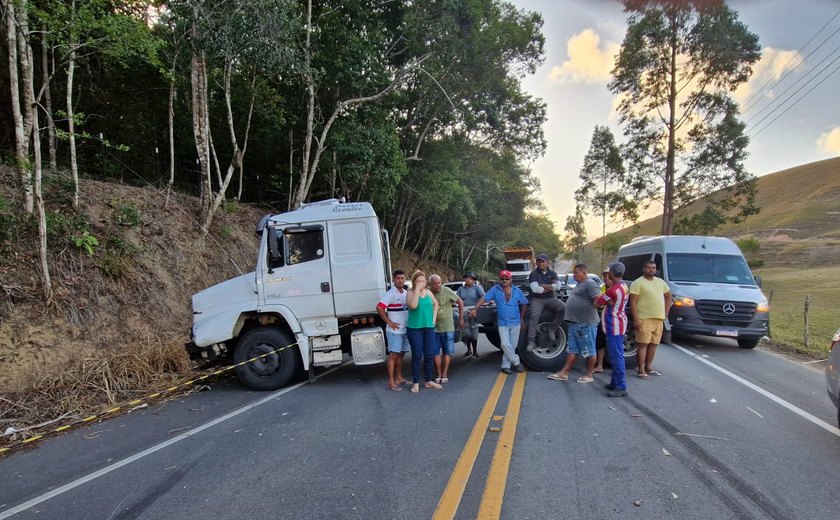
[668,198]
[46,62]
[199,116]
[71,126]
[46,282]
[171,182]
[21,137]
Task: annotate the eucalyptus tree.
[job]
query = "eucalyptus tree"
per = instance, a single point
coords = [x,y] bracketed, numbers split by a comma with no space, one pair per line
[248,40]
[114,30]
[27,129]
[675,72]
[604,189]
[347,63]
[575,228]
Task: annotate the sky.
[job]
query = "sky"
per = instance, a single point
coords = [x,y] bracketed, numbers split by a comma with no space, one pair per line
[583,36]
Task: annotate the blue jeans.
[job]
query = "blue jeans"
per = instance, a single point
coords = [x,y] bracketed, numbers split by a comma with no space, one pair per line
[422,343]
[581,339]
[509,339]
[445,341]
[615,352]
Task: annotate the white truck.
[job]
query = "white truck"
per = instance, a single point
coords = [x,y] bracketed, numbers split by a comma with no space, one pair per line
[312,298]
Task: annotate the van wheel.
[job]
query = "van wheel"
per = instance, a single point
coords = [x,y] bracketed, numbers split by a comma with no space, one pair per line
[547,356]
[274,366]
[748,343]
[631,358]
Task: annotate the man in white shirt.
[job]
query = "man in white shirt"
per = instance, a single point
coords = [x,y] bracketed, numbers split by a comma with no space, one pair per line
[394,313]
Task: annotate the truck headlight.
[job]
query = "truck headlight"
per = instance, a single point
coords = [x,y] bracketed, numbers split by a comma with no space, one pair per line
[683,301]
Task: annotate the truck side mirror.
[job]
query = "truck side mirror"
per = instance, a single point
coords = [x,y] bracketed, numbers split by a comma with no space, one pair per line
[275,256]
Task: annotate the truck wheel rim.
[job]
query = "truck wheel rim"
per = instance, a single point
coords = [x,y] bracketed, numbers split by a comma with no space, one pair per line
[268,363]
[545,348]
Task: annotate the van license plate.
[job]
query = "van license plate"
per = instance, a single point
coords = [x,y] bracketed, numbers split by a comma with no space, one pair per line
[727,333]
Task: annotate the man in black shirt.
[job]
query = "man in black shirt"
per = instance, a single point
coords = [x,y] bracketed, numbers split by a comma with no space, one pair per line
[543,282]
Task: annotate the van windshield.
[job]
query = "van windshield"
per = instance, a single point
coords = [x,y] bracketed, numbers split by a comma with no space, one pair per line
[691,267]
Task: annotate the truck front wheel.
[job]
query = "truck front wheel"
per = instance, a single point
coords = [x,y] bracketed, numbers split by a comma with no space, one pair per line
[548,356]
[269,360]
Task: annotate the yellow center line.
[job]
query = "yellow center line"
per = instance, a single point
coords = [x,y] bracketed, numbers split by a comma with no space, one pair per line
[451,498]
[494,490]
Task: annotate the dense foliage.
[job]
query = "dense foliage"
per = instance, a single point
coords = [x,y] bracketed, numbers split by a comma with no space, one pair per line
[417,107]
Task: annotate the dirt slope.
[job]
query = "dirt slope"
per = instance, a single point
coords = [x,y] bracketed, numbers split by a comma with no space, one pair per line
[136,286]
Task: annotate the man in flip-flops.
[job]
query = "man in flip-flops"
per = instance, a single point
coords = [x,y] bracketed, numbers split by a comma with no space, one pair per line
[582,325]
[650,302]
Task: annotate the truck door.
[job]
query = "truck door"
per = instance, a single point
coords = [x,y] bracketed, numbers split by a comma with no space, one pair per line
[357,266]
[303,282]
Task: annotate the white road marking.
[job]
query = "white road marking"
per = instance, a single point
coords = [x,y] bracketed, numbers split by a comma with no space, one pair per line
[108,469]
[798,411]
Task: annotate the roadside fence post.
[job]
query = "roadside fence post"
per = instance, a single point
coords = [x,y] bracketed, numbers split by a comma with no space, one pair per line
[807,319]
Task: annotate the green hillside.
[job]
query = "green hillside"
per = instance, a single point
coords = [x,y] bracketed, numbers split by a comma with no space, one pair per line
[799,222]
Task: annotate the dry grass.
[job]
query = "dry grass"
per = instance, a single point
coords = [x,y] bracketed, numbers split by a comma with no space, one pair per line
[92,383]
[787,309]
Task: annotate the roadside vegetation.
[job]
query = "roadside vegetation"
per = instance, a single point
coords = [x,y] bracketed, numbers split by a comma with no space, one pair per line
[790,287]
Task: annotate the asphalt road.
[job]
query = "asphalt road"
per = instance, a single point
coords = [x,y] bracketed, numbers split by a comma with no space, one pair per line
[723,433]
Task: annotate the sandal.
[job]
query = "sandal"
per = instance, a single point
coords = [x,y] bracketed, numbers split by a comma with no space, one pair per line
[415,388]
[444,380]
[653,373]
[641,376]
[432,384]
[438,380]
[558,377]
[394,388]
[585,379]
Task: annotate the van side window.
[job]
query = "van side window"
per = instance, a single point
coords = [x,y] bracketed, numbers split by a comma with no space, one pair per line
[304,245]
[633,265]
[658,259]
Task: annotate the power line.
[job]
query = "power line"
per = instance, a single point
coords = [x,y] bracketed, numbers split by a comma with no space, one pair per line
[780,102]
[797,53]
[798,100]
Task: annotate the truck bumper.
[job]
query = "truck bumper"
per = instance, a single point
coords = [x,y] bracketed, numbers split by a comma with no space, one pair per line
[208,353]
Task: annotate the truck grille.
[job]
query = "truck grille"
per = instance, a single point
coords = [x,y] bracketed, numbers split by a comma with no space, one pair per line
[724,310]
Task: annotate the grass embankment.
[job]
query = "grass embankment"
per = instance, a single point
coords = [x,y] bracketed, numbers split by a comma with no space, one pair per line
[787,308]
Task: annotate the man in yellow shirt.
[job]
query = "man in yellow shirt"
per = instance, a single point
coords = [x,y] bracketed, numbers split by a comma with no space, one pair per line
[650,302]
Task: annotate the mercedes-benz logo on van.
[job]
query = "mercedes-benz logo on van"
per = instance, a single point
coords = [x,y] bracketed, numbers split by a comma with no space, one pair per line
[728,308]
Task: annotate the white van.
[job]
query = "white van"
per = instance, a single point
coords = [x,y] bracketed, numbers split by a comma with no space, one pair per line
[714,292]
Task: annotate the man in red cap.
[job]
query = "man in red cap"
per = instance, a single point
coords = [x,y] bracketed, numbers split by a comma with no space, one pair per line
[510,313]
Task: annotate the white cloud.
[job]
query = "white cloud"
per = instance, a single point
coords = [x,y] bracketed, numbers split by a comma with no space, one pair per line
[829,142]
[587,62]
[770,67]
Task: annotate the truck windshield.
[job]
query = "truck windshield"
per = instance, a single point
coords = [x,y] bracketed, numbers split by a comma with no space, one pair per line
[709,268]
[517,267]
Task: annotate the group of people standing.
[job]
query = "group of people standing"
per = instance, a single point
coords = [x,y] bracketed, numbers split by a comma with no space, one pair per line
[421,320]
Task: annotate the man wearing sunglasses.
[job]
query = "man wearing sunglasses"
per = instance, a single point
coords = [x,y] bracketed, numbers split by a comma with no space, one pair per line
[510,313]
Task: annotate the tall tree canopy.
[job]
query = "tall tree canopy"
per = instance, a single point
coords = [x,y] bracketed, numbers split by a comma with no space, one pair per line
[415,106]
[678,65]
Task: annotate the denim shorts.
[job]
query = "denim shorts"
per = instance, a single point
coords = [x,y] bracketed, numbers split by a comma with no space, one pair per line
[445,342]
[397,343]
[582,338]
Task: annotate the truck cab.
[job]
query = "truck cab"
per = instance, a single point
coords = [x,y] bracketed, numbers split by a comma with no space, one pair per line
[320,272]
